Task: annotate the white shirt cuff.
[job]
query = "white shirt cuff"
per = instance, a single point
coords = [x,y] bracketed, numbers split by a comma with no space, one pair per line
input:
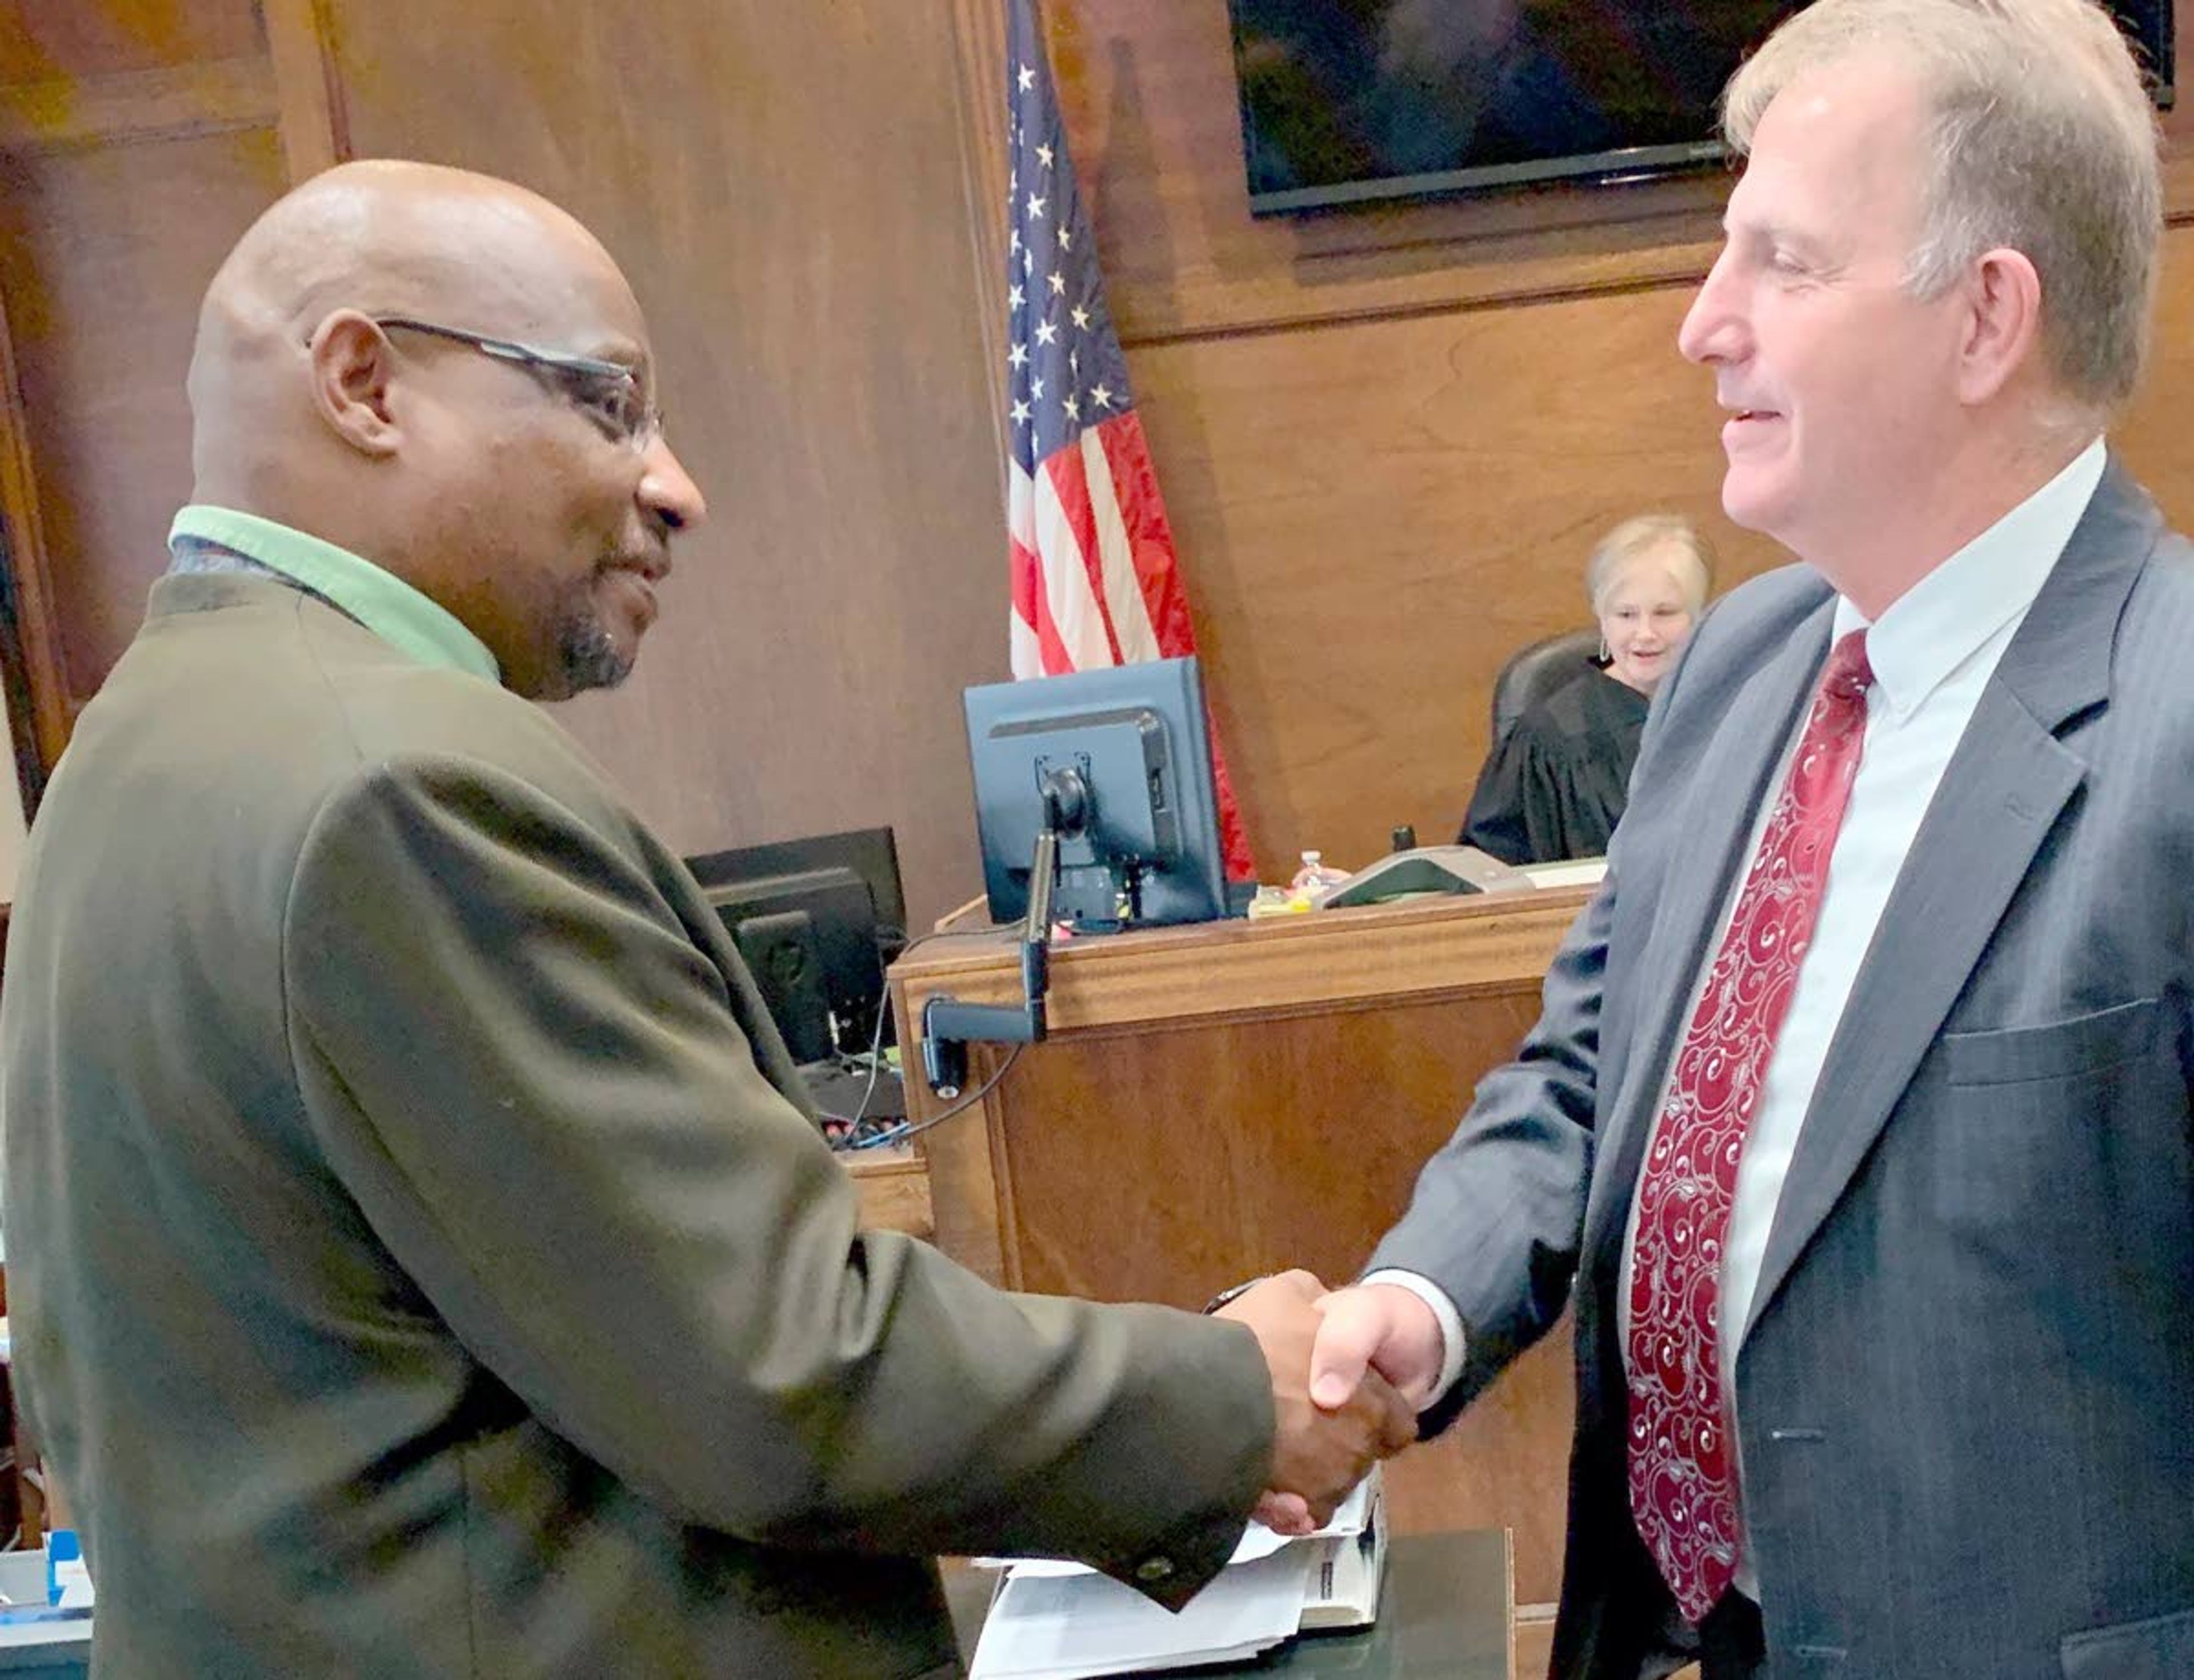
[1450,1325]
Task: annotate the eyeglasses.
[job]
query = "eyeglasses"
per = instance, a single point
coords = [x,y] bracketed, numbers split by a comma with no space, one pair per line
[607,392]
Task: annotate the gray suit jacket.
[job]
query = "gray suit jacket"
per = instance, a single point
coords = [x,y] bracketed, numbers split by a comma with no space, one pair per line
[417,1269]
[1967,1388]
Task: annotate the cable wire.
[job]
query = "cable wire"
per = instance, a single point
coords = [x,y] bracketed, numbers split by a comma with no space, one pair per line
[886,1139]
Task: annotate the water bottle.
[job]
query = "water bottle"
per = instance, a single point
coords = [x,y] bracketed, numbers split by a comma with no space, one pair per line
[1314,880]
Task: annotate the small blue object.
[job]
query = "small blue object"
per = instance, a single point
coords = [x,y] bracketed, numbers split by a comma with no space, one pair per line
[62,1546]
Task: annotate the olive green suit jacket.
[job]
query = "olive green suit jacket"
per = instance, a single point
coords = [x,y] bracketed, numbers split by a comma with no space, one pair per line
[418,1266]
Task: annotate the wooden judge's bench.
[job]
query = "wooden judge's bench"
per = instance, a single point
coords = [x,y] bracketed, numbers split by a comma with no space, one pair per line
[1222,1101]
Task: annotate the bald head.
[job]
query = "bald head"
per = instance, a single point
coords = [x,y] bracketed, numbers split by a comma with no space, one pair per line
[384,238]
[337,385]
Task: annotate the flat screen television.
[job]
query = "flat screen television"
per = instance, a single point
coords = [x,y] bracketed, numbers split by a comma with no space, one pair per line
[1344,101]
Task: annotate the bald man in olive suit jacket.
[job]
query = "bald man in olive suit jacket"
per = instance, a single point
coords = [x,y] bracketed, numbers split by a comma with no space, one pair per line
[422,1264]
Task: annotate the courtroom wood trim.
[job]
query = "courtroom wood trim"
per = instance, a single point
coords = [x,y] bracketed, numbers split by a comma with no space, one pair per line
[894,1192]
[1536,266]
[315,131]
[971,1198]
[140,105]
[1366,959]
[1221,970]
[979,38]
[31,675]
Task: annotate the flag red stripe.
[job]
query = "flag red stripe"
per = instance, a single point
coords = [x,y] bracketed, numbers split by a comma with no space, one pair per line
[1034,606]
[1134,480]
[1063,466]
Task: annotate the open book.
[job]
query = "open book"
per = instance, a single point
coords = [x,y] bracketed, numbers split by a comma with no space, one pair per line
[1053,1620]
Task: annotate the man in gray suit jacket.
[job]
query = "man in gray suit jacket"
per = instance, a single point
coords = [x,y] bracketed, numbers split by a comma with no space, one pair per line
[423,1264]
[1855,1128]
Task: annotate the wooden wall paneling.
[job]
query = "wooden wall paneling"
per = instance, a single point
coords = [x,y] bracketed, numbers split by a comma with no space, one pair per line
[104,253]
[979,38]
[31,679]
[78,40]
[135,144]
[314,135]
[785,188]
[207,98]
[2152,434]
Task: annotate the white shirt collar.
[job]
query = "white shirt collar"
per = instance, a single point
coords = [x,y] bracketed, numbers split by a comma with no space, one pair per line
[1945,618]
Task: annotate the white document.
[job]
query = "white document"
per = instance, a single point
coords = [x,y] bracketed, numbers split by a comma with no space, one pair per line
[1057,1620]
[1055,1626]
[1582,872]
[1352,1517]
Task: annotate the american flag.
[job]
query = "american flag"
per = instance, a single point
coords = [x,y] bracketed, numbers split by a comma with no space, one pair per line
[1095,582]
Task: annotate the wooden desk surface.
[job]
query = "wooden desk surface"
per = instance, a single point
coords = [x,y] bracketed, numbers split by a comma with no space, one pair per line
[1374,955]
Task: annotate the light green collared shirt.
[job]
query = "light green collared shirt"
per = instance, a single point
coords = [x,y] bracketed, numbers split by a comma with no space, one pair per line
[381,601]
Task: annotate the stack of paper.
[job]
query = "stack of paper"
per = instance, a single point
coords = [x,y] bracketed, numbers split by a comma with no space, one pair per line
[1051,1620]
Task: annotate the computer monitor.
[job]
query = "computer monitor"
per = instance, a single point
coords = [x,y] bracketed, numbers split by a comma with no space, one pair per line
[1119,761]
[816,920]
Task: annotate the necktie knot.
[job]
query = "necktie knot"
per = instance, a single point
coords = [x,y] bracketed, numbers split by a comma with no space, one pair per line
[1848,676]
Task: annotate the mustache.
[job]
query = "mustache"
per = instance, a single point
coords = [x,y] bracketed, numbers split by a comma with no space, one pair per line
[652,562]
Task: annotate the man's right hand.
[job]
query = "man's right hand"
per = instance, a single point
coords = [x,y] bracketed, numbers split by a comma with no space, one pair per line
[1318,1452]
[1380,1326]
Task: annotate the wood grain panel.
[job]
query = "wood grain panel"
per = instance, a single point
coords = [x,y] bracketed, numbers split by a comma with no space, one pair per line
[103,254]
[315,130]
[784,186]
[894,1194]
[130,106]
[2152,434]
[1375,953]
[1284,1152]
[43,40]
[30,677]
[1288,1149]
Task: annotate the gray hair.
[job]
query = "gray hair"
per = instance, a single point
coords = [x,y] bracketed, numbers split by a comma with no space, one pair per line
[1634,538]
[2039,137]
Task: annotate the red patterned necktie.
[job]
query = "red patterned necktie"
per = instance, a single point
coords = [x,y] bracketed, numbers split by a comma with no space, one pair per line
[1683,1491]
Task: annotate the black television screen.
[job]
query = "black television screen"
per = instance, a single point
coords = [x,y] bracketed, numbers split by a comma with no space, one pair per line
[1348,101]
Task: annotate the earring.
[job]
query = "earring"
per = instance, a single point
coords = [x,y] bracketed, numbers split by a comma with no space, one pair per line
[1605,657]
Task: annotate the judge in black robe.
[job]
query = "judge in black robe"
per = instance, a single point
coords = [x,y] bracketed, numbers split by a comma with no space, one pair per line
[1555,788]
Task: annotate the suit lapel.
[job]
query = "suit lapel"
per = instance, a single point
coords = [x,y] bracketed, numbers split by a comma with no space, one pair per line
[2000,794]
[1731,780]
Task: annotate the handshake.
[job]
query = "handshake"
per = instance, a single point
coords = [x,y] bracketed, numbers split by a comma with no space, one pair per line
[1351,1367]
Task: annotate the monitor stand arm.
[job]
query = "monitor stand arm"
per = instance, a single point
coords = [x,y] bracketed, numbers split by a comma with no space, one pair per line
[948,1026]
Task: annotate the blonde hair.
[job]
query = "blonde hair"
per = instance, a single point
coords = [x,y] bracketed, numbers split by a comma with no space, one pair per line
[2039,137]
[1612,554]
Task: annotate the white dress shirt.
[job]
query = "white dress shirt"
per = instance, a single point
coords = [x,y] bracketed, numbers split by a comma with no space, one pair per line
[1932,652]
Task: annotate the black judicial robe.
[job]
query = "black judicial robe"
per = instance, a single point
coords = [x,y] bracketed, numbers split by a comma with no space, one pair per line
[1556,789]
